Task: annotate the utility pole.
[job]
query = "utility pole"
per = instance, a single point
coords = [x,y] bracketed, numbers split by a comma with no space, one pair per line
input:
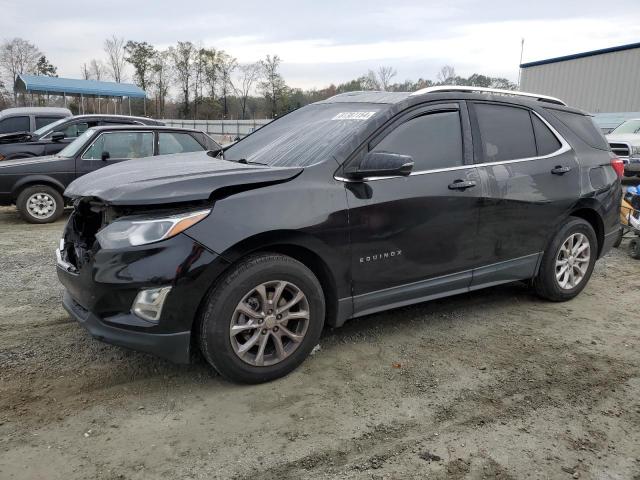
[519,68]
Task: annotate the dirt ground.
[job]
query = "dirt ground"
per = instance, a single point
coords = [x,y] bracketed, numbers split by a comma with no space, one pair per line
[493,384]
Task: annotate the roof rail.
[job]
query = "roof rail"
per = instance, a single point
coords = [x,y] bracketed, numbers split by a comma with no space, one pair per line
[460,88]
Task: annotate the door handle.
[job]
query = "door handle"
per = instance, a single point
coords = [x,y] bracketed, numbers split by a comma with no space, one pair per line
[462,184]
[560,170]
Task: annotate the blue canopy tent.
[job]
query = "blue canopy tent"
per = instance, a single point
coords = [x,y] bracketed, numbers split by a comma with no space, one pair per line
[76,87]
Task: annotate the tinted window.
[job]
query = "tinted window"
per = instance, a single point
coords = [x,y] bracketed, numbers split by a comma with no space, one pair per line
[15,124]
[121,145]
[43,121]
[507,133]
[583,127]
[433,140]
[172,142]
[546,141]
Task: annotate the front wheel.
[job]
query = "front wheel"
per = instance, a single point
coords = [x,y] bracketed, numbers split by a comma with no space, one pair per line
[40,204]
[634,248]
[568,262]
[262,319]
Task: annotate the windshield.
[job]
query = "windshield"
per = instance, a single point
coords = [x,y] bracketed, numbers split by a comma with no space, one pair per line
[630,126]
[74,147]
[48,128]
[304,137]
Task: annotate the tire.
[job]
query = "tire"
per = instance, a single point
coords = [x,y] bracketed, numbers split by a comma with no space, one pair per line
[238,292]
[619,238]
[634,248]
[40,198]
[547,284]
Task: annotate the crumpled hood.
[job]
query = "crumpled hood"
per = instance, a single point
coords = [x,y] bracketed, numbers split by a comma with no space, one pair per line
[631,138]
[15,137]
[171,179]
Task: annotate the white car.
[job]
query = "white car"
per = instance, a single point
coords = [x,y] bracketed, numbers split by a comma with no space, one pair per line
[625,143]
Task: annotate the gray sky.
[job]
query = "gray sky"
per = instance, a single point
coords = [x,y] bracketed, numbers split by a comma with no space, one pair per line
[332,41]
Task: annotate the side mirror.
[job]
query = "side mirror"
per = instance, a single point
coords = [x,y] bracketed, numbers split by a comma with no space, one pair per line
[105,156]
[382,164]
[57,136]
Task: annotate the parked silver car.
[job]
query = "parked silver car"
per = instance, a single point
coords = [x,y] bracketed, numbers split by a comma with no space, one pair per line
[29,119]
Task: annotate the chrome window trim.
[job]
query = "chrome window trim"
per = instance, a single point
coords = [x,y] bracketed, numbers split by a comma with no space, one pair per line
[107,133]
[564,148]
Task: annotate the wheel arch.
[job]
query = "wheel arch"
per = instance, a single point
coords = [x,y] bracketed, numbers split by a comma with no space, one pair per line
[31,180]
[593,217]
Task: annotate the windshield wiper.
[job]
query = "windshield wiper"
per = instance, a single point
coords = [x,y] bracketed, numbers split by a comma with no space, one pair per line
[244,161]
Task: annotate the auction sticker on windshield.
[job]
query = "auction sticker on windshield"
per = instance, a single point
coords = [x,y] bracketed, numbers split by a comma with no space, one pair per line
[354,116]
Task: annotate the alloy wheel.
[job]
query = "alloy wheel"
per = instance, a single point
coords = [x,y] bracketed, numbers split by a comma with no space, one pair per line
[572,261]
[269,323]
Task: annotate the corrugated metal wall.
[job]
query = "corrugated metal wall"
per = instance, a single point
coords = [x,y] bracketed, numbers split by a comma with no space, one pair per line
[608,82]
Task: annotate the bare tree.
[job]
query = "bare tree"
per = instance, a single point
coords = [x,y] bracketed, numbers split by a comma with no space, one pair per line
[182,56]
[385,74]
[97,69]
[249,74]
[18,56]
[161,79]
[227,64]
[272,86]
[114,48]
[85,72]
[446,75]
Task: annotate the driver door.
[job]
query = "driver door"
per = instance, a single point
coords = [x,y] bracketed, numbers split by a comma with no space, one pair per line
[413,238]
[113,147]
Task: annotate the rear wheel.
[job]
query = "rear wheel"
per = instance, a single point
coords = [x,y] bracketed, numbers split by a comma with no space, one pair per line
[262,319]
[568,262]
[40,204]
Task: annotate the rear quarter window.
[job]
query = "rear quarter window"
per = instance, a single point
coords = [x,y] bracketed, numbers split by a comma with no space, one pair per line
[583,126]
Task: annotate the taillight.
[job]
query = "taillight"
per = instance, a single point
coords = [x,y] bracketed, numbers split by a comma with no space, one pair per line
[618,166]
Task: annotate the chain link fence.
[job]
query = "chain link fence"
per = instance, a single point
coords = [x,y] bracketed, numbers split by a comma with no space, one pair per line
[224,131]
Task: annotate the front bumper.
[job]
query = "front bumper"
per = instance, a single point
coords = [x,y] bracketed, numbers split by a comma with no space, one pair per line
[171,346]
[632,166]
[100,293]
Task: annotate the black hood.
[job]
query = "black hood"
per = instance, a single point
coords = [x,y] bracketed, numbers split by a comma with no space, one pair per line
[171,179]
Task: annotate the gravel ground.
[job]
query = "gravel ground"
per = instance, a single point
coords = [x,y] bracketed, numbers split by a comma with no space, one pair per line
[493,384]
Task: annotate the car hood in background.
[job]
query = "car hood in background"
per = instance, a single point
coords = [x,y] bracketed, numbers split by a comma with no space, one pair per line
[15,137]
[632,138]
[172,179]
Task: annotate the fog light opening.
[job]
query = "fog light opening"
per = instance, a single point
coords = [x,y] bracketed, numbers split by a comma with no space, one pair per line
[149,302]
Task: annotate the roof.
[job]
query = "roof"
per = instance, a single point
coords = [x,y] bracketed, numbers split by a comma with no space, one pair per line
[11,112]
[591,53]
[74,86]
[367,97]
[160,128]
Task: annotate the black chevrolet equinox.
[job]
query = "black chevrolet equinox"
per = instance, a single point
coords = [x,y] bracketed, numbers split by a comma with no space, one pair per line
[360,203]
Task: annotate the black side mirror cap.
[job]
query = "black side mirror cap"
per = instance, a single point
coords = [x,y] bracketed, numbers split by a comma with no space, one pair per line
[57,136]
[105,156]
[382,164]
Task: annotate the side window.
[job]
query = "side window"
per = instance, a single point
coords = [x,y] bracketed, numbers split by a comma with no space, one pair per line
[15,124]
[546,141]
[173,142]
[506,132]
[121,145]
[433,140]
[43,121]
[584,127]
[75,129]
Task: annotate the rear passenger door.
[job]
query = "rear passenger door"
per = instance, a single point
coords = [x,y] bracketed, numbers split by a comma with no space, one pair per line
[532,181]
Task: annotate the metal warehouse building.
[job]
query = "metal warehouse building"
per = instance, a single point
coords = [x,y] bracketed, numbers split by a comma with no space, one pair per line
[605,80]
